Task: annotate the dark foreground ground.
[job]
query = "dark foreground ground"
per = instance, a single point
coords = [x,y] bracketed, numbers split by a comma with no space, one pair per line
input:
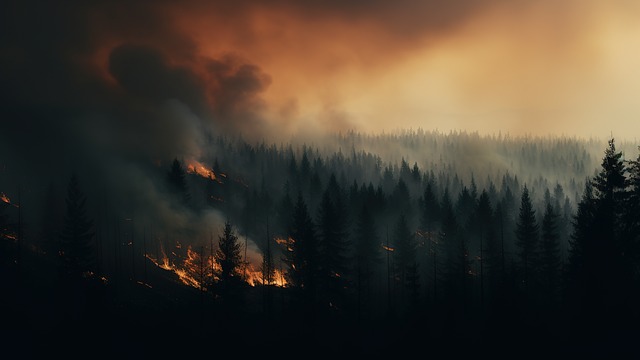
[161,318]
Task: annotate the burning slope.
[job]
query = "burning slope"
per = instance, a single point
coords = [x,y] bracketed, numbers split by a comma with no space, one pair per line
[198,270]
[196,167]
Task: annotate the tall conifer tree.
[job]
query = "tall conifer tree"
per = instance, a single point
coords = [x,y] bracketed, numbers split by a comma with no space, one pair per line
[76,237]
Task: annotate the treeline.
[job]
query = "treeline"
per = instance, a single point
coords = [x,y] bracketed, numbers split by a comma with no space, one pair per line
[416,245]
[367,243]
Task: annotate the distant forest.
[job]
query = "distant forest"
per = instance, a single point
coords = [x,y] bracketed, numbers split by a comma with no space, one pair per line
[367,243]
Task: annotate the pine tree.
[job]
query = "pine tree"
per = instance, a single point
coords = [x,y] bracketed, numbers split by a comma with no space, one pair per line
[334,245]
[400,200]
[268,270]
[268,273]
[448,238]
[229,258]
[550,255]
[301,256]
[430,209]
[367,255]
[598,276]
[429,222]
[465,207]
[610,183]
[632,218]
[76,238]
[631,231]
[405,259]
[484,223]
[527,238]
[284,212]
[582,259]
[610,194]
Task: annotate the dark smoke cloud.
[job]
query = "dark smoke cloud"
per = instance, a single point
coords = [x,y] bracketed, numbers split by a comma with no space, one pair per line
[50,91]
[237,85]
[154,98]
[49,50]
[144,72]
[218,95]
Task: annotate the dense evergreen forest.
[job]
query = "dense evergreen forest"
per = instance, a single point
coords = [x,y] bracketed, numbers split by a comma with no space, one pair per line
[374,244]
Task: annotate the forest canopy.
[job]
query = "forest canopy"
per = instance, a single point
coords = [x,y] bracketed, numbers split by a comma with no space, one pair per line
[449,231]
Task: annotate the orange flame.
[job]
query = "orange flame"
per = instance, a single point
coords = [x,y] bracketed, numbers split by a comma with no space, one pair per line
[5,199]
[388,248]
[194,270]
[196,167]
[255,277]
[288,243]
[281,241]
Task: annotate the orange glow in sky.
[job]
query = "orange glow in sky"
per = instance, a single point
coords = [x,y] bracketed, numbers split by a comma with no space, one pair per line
[526,67]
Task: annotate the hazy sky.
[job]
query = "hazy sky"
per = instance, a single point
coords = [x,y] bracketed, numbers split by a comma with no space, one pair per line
[520,67]
[539,67]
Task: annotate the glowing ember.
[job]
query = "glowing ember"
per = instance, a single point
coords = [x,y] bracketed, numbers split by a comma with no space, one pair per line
[10,237]
[5,199]
[288,243]
[144,284]
[196,167]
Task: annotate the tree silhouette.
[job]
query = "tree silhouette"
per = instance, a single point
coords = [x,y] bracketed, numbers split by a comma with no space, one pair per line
[76,238]
[405,260]
[229,258]
[527,239]
[284,212]
[367,255]
[631,230]
[487,244]
[268,272]
[301,257]
[632,217]
[430,221]
[400,199]
[268,269]
[582,254]
[599,280]
[430,209]
[550,255]
[448,240]
[333,245]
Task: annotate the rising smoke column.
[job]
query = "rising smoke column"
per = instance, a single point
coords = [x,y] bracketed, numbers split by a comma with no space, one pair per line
[115,102]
